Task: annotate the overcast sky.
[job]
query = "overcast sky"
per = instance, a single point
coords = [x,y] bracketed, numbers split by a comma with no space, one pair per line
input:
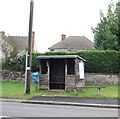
[51,19]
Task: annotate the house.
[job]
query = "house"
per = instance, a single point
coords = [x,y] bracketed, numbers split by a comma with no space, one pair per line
[73,43]
[21,42]
[61,72]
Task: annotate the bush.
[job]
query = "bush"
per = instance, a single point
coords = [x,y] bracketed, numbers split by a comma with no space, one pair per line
[101,61]
[14,61]
[35,62]
[97,61]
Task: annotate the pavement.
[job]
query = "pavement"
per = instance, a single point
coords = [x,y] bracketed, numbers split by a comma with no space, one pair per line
[73,101]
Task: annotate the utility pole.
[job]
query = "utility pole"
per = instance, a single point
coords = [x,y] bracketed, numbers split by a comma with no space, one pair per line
[29,49]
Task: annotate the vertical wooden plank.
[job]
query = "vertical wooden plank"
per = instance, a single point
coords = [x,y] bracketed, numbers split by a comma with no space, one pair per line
[65,73]
[48,73]
[75,74]
[39,73]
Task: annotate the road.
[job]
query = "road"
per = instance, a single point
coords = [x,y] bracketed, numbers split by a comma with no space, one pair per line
[15,109]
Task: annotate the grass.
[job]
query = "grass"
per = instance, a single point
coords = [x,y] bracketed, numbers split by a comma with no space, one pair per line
[108,92]
[16,90]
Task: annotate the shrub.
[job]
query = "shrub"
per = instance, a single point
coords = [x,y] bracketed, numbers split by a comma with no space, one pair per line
[101,61]
[14,61]
[97,61]
[35,62]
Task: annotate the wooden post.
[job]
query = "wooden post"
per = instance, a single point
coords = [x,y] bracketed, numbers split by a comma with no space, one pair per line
[75,75]
[65,73]
[29,49]
[40,74]
[98,90]
[48,72]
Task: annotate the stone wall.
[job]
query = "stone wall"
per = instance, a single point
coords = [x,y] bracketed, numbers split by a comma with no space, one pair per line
[15,76]
[102,78]
[70,81]
[43,81]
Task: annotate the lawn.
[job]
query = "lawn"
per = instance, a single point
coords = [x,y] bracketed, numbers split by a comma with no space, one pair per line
[16,90]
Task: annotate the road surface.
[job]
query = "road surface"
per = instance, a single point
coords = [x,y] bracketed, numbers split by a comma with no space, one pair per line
[15,109]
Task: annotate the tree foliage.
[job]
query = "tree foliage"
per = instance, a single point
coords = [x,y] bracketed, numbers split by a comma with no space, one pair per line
[118,19]
[107,32]
[12,58]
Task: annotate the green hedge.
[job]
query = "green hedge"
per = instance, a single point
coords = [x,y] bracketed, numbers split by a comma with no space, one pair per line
[96,61]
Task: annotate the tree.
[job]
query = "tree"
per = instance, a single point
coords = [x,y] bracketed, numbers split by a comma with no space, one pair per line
[106,33]
[118,20]
[12,59]
[6,47]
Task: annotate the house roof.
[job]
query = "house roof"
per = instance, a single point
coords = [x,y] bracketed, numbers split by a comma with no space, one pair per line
[20,41]
[74,43]
[59,57]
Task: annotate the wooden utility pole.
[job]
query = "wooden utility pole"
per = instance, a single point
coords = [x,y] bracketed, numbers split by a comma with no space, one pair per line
[29,48]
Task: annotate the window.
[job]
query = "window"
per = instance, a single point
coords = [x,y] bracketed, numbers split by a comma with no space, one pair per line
[43,67]
[70,67]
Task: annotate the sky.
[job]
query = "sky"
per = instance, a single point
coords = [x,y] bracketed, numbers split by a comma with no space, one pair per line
[51,19]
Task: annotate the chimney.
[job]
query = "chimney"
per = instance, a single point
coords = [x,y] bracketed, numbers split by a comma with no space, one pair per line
[63,37]
[33,41]
[2,33]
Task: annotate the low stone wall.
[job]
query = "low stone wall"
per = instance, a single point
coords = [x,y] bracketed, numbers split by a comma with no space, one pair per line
[15,76]
[12,76]
[102,78]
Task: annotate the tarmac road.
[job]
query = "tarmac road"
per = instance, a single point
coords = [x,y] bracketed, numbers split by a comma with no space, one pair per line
[16,109]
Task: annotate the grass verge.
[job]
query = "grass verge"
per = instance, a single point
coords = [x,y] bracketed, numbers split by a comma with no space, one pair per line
[16,90]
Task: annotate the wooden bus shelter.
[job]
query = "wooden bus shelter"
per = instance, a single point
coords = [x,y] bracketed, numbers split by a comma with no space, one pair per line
[61,72]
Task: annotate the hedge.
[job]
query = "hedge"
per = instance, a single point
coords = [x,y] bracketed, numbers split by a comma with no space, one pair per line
[97,61]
